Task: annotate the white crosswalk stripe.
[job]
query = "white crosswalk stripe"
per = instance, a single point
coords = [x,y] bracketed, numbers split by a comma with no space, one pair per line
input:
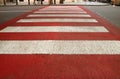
[55,29]
[58,12]
[58,20]
[60,47]
[59,15]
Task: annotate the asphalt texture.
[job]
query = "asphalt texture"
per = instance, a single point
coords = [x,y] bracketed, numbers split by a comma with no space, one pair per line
[9,12]
[109,12]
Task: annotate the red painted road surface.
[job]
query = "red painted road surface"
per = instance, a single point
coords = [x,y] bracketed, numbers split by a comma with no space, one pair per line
[42,65]
[59,67]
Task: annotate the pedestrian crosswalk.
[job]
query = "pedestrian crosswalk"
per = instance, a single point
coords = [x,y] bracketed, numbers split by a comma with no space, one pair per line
[58,30]
[59,42]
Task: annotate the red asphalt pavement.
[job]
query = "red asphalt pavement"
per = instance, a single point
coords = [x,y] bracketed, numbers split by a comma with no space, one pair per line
[25,65]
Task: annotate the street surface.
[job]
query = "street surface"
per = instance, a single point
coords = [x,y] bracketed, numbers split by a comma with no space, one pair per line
[59,42]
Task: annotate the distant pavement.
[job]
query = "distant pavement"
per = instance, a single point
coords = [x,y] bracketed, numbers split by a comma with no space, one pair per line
[104,10]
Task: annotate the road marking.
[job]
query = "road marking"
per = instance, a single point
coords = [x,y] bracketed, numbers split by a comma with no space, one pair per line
[55,29]
[60,47]
[59,12]
[59,15]
[58,20]
[47,9]
[60,9]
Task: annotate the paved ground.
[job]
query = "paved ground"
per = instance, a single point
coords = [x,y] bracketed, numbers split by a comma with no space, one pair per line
[9,12]
[59,42]
[108,12]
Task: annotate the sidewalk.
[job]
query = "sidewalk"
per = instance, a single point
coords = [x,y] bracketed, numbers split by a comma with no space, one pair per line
[88,3]
[65,3]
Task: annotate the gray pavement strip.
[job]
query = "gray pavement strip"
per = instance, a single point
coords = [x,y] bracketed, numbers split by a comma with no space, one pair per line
[15,11]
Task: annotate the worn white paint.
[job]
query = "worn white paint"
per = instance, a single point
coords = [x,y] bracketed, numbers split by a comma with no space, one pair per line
[55,29]
[59,12]
[58,20]
[59,15]
[60,47]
